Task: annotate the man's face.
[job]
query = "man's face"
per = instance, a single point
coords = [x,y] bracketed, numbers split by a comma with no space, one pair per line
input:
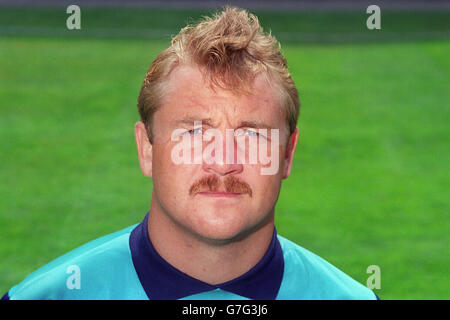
[216,200]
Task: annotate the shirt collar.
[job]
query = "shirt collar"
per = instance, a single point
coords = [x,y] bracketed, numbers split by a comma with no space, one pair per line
[162,281]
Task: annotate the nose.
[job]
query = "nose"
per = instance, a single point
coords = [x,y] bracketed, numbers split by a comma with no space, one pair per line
[221,163]
[222,169]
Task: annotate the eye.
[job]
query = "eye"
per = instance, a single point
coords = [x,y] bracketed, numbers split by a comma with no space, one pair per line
[251,133]
[194,131]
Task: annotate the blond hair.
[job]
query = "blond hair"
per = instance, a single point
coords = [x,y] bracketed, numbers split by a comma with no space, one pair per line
[232,49]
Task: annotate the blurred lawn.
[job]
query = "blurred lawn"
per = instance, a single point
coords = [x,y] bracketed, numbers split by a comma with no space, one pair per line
[370,181]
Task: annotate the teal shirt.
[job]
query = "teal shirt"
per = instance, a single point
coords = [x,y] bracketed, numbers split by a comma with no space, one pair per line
[124,265]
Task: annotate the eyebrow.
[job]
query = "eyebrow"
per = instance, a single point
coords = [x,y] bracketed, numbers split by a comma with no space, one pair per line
[191,120]
[254,124]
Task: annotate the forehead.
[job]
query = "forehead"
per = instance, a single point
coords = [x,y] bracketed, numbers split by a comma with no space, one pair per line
[188,92]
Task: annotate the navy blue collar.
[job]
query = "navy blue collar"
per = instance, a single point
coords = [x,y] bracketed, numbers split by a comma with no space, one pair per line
[161,281]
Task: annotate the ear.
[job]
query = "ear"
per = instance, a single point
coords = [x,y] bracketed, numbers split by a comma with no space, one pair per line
[144,148]
[289,154]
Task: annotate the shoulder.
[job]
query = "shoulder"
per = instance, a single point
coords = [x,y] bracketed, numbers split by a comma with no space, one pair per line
[87,272]
[308,276]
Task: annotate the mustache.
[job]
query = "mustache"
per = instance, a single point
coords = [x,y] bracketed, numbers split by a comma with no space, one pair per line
[231,184]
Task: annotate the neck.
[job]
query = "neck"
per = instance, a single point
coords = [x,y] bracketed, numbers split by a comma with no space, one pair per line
[208,261]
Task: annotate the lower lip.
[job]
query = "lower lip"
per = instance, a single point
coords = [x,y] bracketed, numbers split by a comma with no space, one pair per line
[220,194]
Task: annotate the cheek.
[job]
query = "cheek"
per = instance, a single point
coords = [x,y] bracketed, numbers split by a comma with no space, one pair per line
[162,160]
[171,184]
[270,189]
[265,187]
[172,181]
[167,176]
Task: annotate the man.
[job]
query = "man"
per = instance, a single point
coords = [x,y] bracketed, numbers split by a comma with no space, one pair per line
[218,134]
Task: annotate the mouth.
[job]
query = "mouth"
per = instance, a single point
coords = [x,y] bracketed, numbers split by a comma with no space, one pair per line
[212,186]
[219,194]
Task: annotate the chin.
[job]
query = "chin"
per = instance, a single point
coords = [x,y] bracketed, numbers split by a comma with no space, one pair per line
[220,239]
[225,228]
[222,228]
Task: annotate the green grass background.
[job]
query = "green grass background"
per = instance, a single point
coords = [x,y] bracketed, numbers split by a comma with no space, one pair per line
[370,180]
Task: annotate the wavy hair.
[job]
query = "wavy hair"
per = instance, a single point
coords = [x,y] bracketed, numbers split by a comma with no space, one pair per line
[231,49]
